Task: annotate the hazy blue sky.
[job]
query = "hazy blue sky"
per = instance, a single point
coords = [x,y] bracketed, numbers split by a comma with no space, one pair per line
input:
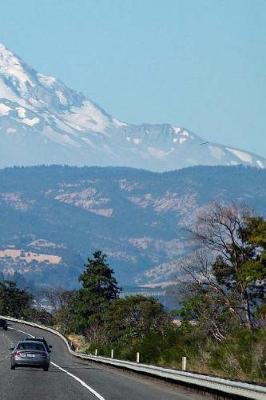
[196,63]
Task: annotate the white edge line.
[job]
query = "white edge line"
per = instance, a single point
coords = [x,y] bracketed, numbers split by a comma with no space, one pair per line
[96,394]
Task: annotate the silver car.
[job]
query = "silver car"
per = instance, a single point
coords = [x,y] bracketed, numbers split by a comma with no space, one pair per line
[30,354]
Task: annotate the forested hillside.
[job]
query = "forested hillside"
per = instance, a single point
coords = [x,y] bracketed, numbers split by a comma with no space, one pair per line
[53,217]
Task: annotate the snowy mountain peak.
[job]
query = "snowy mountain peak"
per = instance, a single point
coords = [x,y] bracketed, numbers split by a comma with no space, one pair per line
[11,67]
[42,121]
[7,58]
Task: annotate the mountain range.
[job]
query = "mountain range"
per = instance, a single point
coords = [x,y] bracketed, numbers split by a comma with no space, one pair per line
[52,218]
[43,122]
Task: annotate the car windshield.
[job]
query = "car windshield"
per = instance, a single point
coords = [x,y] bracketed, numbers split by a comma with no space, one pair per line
[30,346]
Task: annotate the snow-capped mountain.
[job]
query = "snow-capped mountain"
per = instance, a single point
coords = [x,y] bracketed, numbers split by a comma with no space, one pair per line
[44,122]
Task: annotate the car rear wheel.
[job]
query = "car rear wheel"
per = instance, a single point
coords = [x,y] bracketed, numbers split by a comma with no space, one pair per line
[12,366]
[45,368]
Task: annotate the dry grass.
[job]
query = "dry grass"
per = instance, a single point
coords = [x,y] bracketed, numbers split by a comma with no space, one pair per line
[78,342]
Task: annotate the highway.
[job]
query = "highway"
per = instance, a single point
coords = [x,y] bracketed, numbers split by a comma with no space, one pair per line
[73,379]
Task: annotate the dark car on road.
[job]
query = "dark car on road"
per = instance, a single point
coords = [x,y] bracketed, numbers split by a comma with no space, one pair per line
[3,324]
[40,339]
[30,354]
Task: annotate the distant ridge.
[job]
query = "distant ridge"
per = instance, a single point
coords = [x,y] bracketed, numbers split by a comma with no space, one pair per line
[53,217]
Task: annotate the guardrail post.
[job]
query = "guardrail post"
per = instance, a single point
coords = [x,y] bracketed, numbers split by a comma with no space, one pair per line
[137,357]
[96,352]
[184,363]
[112,353]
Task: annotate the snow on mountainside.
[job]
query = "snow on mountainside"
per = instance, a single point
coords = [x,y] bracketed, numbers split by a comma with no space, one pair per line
[44,122]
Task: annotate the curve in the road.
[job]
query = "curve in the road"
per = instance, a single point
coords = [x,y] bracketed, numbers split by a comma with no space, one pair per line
[72,379]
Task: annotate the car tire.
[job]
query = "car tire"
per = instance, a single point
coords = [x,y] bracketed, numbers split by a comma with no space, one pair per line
[45,368]
[12,366]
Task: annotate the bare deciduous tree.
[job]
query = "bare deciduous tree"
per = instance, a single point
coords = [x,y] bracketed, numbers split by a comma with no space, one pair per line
[218,269]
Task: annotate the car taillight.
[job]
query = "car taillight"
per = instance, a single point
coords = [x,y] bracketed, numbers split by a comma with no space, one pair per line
[17,353]
[43,355]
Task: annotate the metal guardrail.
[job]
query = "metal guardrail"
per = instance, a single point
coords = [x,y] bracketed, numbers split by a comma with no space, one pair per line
[234,388]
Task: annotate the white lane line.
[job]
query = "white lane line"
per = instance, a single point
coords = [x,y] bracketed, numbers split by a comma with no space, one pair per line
[18,330]
[89,388]
[80,381]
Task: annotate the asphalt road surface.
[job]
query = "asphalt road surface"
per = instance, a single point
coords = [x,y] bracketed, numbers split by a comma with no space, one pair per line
[73,379]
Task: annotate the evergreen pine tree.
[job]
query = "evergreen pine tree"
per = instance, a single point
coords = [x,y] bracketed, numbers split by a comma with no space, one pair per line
[99,289]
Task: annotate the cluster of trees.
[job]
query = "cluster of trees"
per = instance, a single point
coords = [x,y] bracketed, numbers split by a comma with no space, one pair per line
[227,274]
[224,292]
[97,312]
[19,303]
[13,301]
